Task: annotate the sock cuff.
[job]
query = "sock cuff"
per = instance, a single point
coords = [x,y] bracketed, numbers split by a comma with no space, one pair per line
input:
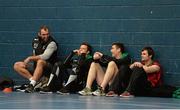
[33,82]
[30,79]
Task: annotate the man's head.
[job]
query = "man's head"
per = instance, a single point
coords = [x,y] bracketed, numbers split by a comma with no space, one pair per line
[116,49]
[44,33]
[147,54]
[85,48]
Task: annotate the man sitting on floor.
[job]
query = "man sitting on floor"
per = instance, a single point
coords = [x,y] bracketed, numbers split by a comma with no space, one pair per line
[146,75]
[77,64]
[119,59]
[44,56]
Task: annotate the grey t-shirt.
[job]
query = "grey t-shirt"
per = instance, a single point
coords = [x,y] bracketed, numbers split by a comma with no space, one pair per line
[51,48]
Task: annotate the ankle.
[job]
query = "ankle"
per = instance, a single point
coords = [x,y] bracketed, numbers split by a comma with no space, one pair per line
[33,82]
[88,87]
[102,88]
[30,79]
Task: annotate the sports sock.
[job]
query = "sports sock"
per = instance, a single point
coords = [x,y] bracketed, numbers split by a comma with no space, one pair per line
[71,78]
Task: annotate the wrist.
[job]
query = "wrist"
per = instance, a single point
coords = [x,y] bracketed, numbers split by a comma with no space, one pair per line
[144,66]
[28,59]
[132,66]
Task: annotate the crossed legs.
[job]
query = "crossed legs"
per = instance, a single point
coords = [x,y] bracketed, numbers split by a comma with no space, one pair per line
[21,68]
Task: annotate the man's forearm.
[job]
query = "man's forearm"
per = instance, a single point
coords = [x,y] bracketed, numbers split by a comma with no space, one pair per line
[34,58]
[151,69]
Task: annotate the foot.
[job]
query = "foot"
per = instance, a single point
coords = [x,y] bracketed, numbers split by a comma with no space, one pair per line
[46,90]
[63,91]
[85,92]
[126,94]
[21,88]
[99,92]
[29,89]
[111,94]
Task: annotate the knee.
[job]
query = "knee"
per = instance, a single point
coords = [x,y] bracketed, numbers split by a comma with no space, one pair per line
[124,71]
[93,64]
[17,65]
[138,70]
[41,63]
[111,64]
[58,64]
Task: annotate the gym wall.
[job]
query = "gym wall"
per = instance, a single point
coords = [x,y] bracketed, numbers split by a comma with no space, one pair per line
[136,23]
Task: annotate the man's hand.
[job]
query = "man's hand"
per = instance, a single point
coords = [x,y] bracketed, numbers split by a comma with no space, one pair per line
[77,52]
[136,64]
[31,58]
[97,55]
[27,60]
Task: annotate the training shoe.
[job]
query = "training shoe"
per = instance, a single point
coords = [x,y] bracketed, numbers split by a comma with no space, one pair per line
[46,90]
[20,88]
[99,92]
[111,94]
[126,95]
[63,91]
[85,92]
[29,89]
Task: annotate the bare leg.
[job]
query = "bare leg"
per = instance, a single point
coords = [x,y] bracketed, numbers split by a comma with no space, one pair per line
[39,70]
[95,72]
[110,74]
[20,68]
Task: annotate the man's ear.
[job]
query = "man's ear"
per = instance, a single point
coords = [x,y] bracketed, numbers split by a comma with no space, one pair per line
[119,49]
[150,56]
[88,52]
[39,34]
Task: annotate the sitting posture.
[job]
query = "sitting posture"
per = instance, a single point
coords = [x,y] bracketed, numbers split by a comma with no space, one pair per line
[44,56]
[145,75]
[77,64]
[114,64]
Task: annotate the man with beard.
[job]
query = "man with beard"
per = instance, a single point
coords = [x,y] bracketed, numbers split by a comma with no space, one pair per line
[44,56]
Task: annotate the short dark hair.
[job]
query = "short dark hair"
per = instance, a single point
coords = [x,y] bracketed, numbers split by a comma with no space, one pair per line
[88,46]
[150,51]
[44,27]
[119,45]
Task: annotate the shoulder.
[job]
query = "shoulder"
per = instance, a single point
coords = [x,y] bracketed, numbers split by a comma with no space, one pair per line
[124,55]
[157,63]
[52,44]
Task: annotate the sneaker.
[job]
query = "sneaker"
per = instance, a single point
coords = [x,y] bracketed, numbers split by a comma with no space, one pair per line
[20,88]
[85,92]
[126,95]
[45,90]
[29,89]
[99,92]
[111,94]
[63,91]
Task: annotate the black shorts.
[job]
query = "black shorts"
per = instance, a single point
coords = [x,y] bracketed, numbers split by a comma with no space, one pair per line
[47,69]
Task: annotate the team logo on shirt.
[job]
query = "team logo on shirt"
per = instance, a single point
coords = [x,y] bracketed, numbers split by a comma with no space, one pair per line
[44,47]
[36,43]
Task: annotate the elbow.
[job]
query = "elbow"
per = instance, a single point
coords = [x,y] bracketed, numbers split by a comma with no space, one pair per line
[44,57]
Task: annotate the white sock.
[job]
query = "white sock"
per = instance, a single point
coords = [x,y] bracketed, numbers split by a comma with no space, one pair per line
[71,78]
[33,82]
[52,75]
[57,72]
[50,79]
